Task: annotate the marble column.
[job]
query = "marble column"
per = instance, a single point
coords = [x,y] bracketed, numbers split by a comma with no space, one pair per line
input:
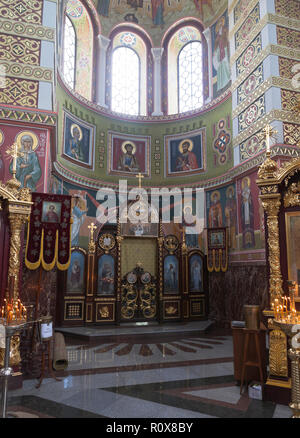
[157,55]
[103,44]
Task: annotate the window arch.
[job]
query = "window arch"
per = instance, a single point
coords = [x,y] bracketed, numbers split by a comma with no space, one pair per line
[185,69]
[129,56]
[69,58]
[78,49]
[125,89]
[190,77]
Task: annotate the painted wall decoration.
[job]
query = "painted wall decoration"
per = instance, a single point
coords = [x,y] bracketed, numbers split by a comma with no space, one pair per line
[250,84]
[251,114]
[156,15]
[106,275]
[250,213]
[221,55]
[185,154]
[249,54]
[128,155]
[171,275]
[33,151]
[251,20]
[76,273]
[221,211]
[78,141]
[195,273]
[222,141]
[84,47]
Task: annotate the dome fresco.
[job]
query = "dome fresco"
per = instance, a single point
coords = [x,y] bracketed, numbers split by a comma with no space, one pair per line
[156,16]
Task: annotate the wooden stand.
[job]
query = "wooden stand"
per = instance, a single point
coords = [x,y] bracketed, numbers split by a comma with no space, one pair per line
[50,368]
[249,362]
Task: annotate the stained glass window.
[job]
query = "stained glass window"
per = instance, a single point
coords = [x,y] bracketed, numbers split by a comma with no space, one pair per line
[125,94]
[69,56]
[190,77]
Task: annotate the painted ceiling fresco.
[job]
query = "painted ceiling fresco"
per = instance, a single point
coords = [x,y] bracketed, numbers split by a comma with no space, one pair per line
[156,16]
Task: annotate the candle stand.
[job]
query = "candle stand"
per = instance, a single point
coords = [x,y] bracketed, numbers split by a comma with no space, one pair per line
[6,372]
[294,355]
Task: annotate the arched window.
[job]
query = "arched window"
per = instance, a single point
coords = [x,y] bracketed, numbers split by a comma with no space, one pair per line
[190,77]
[69,57]
[185,69]
[129,78]
[125,89]
[78,49]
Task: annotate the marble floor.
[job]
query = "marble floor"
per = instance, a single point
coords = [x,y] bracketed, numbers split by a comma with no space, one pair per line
[174,371]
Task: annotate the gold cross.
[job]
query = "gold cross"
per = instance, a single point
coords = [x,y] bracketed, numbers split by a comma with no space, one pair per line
[269,132]
[92,227]
[13,152]
[140,177]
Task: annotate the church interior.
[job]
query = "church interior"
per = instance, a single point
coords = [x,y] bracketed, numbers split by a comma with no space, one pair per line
[149,208]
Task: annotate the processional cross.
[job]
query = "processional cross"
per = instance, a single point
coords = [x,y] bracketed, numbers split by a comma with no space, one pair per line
[92,228]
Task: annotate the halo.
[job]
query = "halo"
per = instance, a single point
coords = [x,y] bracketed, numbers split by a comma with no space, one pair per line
[216,192]
[229,189]
[246,178]
[186,140]
[186,207]
[22,134]
[73,126]
[132,144]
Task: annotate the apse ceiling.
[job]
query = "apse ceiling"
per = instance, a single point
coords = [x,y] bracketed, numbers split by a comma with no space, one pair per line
[156,16]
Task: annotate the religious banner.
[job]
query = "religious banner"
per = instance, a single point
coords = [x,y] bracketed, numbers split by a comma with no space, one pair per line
[217,250]
[49,232]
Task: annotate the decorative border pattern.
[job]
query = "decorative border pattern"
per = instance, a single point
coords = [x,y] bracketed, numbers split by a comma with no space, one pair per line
[251,83]
[251,21]
[272,49]
[27,30]
[25,71]
[278,115]
[252,114]
[20,115]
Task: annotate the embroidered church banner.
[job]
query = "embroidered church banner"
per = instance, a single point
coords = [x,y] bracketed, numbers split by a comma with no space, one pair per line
[217,252]
[49,232]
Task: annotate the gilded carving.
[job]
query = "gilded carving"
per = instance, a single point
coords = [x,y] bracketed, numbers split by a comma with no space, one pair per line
[278,354]
[268,169]
[271,207]
[292,195]
[15,357]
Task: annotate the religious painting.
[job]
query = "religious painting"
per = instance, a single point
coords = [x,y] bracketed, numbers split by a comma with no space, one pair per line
[31,164]
[185,155]
[250,213]
[79,214]
[140,229]
[76,273]
[195,273]
[51,212]
[171,275]
[128,155]
[78,141]
[220,55]
[106,275]
[216,238]
[230,215]
[221,208]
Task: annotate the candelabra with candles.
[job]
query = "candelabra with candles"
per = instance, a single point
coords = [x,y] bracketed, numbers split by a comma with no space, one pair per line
[287,319]
[14,320]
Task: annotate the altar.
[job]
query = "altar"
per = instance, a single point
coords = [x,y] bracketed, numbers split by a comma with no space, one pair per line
[133,272]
